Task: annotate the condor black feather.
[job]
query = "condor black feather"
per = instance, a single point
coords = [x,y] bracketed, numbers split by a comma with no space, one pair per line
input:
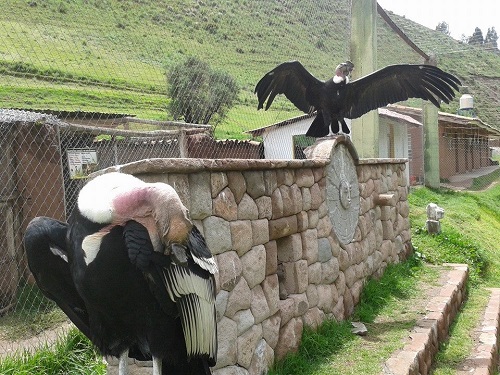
[337,99]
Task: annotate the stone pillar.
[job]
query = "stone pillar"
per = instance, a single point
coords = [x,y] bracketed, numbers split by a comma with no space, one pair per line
[365,130]
[434,214]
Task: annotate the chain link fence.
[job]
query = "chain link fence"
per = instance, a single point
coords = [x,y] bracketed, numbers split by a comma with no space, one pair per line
[83,87]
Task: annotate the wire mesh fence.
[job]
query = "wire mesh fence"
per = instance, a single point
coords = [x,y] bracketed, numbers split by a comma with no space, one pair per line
[85,86]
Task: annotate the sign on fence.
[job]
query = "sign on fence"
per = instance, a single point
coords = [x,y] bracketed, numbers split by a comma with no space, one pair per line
[81,162]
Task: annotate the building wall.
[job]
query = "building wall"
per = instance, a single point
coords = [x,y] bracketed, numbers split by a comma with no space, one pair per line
[461,152]
[281,267]
[278,141]
[38,176]
[393,140]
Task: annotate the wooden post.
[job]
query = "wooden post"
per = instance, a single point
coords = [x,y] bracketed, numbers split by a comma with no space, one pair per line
[365,130]
[183,146]
[431,141]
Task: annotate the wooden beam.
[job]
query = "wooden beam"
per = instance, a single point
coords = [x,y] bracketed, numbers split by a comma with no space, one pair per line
[365,130]
[400,32]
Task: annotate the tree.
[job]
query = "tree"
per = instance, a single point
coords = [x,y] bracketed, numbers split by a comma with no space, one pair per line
[198,93]
[443,27]
[477,37]
[490,41]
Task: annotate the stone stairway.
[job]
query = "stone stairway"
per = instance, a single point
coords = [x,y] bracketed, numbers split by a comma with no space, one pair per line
[416,357]
[484,357]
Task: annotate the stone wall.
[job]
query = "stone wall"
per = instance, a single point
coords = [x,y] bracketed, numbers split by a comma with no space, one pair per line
[281,264]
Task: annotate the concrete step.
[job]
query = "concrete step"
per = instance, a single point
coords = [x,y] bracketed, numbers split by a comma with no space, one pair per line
[483,359]
[416,357]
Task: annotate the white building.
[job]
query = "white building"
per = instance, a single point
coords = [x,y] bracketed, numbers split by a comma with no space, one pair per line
[286,140]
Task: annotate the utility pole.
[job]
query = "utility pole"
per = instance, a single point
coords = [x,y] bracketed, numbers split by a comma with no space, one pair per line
[365,130]
[431,140]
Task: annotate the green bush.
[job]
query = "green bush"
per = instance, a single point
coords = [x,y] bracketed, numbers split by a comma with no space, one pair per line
[198,93]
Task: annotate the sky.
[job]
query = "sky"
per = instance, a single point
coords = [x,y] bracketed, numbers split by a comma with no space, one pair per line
[462,16]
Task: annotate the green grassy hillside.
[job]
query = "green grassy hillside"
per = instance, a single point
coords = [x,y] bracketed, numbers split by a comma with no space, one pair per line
[477,68]
[111,55]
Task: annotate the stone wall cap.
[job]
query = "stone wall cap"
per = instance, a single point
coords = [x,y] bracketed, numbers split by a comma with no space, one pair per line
[383,161]
[190,165]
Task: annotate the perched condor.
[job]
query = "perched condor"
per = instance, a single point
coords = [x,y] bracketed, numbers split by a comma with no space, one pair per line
[145,273]
[50,264]
[48,261]
[338,99]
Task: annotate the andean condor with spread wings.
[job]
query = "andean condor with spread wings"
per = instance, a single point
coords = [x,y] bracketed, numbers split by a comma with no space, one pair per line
[337,99]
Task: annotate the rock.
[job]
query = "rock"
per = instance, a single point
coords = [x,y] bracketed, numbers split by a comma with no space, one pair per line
[255,183]
[276,204]
[271,257]
[237,184]
[180,182]
[224,205]
[289,248]
[324,226]
[313,216]
[282,227]
[244,320]
[289,339]
[288,200]
[200,195]
[338,310]
[329,271]
[285,177]
[313,318]
[270,287]
[217,234]
[239,298]
[359,329]
[241,236]
[316,198]
[260,232]
[306,199]
[312,295]
[301,305]
[247,209]
[324,250]
[325,299]
[304,177]
[264,207]
[270,330]
[246,344]
[302,221]
[218,181]
[310,245]
[254,265]
[270,181]
[296,276]
[231,370]
[262,359]
[287,309]
[226,338]
[259,306]
[314,273]
[230,270]
[221,304]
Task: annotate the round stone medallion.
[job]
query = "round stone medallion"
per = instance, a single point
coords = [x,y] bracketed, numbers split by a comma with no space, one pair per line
[342,193]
